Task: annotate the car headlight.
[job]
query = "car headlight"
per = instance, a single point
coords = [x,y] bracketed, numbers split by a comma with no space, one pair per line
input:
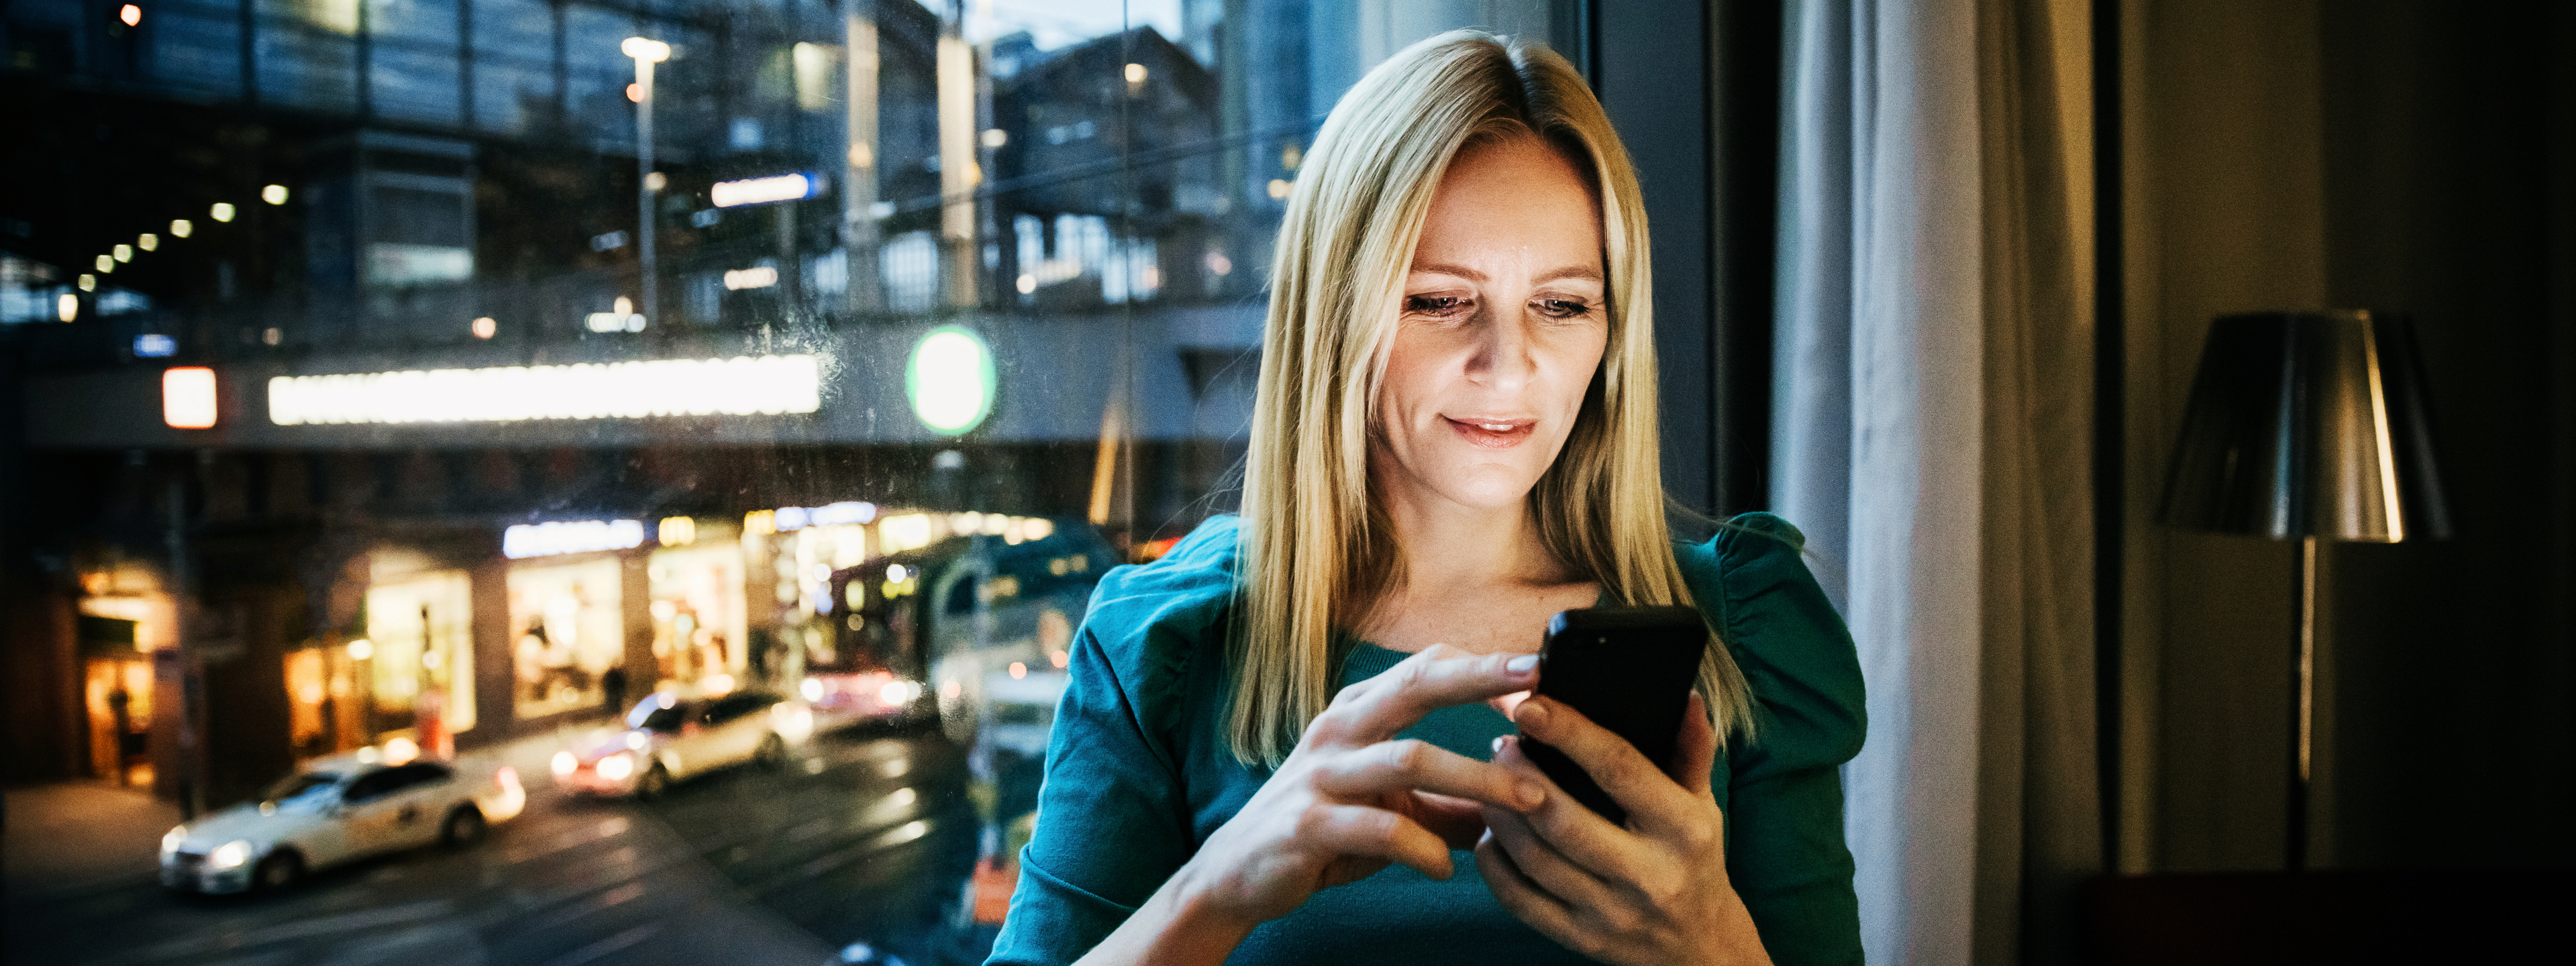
[616,767]
[170,842]
[228,855]
[565,763]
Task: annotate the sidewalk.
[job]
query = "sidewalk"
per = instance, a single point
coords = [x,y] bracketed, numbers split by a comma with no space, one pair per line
[79,836]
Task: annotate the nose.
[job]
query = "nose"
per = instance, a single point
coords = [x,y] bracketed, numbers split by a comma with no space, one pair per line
[1504,356]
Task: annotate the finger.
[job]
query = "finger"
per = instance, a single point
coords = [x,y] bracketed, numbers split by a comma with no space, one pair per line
[1458,821]
[1389,767]
[1522,897]
[1573,829]
[1358,830]
[1655,803]
[1543,864]
[1695,754]
[1434,678]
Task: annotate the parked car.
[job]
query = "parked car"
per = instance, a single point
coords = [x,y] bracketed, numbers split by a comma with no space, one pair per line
[669,738]
[334,810]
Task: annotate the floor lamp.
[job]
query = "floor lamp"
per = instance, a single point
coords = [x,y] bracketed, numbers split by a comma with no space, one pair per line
[2307,426]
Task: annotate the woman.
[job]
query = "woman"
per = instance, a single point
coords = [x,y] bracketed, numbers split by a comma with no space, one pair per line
[1453,438]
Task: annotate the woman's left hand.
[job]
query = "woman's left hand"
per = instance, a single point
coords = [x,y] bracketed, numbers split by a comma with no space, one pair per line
[1655,891]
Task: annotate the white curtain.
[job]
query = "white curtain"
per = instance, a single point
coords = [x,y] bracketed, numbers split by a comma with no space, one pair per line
[1931,407]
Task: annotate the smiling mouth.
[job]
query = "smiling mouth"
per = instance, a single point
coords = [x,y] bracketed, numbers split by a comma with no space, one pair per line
[1492,433]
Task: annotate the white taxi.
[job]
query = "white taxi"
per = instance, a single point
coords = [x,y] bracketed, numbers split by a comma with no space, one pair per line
[333,810]
[670,738]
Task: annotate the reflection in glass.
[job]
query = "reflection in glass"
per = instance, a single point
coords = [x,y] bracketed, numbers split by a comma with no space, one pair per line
[1023,286]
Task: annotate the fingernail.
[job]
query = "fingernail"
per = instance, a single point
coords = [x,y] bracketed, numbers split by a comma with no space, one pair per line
[1522,664]
[1531,713]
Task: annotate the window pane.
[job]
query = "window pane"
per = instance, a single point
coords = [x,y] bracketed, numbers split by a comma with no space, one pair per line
[427,22]
[842,391]
[412,84]
[596,75]
[196,47]
[307,65]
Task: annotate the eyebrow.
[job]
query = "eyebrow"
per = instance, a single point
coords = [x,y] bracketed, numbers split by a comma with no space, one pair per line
[1584,272]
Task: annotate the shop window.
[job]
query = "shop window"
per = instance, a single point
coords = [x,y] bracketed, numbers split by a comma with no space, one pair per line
[567,632]
[700,618]
[418,672]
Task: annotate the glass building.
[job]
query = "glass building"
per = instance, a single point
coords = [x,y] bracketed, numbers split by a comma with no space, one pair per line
[452,374]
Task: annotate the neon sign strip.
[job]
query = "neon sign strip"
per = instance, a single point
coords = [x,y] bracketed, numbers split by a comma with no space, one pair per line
[741,386]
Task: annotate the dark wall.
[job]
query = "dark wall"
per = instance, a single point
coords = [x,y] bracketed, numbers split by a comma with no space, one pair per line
[2403,155]
[2447,185]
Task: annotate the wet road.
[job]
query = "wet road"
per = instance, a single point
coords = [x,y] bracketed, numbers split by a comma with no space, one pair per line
[861,839]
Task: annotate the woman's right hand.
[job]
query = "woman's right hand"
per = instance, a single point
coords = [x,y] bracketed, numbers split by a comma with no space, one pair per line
[1351,798]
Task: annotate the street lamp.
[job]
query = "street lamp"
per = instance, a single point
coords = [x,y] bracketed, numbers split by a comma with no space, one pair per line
[646,53]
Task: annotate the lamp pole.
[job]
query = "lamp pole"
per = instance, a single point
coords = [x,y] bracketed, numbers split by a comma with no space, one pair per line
[646,54]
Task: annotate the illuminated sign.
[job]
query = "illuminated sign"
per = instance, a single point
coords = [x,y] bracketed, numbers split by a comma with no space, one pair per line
[154,346]
[574,536]
[741,386]
[762,191]
[188,397]
[950,379]
[678,531]
[797,518]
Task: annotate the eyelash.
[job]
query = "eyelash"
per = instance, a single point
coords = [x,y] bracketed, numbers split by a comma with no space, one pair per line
[1566,309]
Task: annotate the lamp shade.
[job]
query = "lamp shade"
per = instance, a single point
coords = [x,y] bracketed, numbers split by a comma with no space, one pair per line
[2308,424]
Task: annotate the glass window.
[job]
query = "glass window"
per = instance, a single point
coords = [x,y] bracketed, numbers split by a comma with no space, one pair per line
[297,788]
[373,785]
[596,74]
[306,54]
[413,84]
[653,715]
[196,47]
[419,665]
[570,629]
[917,319]
[514,56]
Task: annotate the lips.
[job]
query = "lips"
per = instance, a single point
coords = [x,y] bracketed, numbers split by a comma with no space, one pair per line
[1489,432]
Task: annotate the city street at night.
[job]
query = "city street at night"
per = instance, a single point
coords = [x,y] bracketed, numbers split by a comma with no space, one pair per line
[859,850]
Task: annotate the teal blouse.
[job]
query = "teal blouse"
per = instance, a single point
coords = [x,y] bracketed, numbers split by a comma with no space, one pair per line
[1138,774]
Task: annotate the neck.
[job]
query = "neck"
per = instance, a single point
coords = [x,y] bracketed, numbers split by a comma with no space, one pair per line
[1448,547]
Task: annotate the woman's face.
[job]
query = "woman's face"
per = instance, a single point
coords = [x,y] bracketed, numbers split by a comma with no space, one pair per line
[1503,321]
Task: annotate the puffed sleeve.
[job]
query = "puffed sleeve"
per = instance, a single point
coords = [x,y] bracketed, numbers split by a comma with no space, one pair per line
[1784,801]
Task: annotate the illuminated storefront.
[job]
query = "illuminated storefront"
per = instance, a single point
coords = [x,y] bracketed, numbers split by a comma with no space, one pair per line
[417,659]
[124,616]
[567,630]
[701,627]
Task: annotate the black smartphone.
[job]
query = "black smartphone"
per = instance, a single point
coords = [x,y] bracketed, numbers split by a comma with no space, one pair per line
[1629,669]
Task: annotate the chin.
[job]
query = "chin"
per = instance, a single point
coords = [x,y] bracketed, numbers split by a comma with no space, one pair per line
[1487,491]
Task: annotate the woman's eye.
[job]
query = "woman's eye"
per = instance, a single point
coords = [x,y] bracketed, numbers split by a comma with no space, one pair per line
[1563,308]
[1435,305]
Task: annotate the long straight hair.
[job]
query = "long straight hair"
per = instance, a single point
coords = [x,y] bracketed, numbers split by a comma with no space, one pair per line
[1316,547]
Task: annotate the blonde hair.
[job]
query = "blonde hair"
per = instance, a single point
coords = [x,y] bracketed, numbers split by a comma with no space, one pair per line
[1315,547]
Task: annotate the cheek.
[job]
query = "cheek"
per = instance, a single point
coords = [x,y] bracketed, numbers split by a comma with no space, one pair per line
[1413,374]
[1573,361]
